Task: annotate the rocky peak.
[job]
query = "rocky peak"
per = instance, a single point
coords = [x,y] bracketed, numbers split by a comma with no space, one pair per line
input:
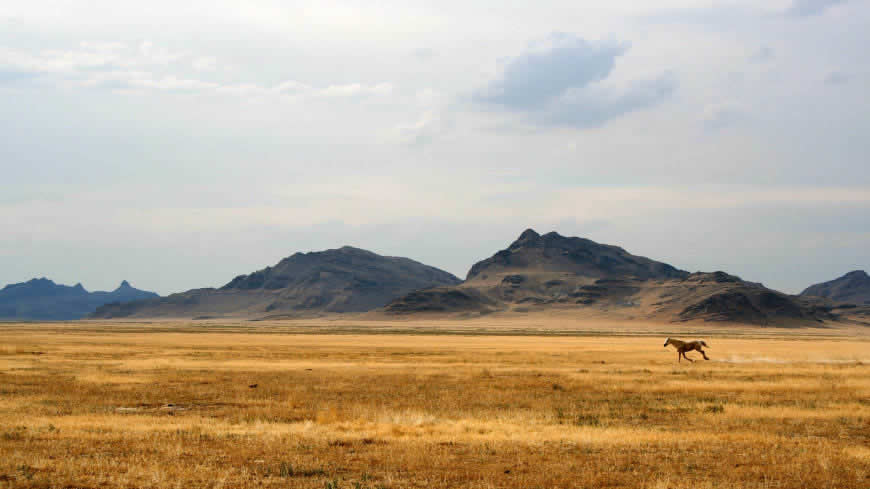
[527,236]
[556,253]
[853,287]
[718,277]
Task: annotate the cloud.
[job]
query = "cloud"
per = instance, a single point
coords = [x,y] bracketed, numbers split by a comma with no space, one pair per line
[558,83]
[763,55]
[435,120]
[717,16]
[535,78]
[424,54]
[12,76]
[594,106]
[735,15]
[722,115]
[54,61]
[159,55]
[147,67]
[204,63]
[144,81]
[90,57]
[103,46]
[809,8]
[423,131]
[354,90]
[837,78]
[172,83]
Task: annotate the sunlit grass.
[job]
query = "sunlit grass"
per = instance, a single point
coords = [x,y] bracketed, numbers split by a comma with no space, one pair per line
[159,409]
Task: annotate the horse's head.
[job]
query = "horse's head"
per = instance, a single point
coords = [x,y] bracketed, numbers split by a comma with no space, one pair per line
[667,342]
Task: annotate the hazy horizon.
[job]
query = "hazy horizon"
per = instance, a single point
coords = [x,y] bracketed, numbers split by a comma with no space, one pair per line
[179,145]
[459,274]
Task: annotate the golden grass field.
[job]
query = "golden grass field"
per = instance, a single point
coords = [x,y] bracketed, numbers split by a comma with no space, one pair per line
[103,405]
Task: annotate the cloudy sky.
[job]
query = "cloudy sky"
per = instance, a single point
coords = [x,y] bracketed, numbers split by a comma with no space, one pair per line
[178,144]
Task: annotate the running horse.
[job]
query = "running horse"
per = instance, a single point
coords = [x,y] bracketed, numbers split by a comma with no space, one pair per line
[686,346]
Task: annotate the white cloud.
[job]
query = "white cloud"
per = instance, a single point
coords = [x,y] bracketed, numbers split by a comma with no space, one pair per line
[837,78]
[421,132]
[725,114]
[807,8]
[116,67]
[204,63]
[55,61]
[145,47]
[354,90]
[88,57]
[103,46]
[174,83]
[763,55]
[424,54]
[158,55]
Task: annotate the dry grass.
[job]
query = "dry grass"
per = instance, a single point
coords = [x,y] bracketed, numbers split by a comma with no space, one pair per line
[88,405]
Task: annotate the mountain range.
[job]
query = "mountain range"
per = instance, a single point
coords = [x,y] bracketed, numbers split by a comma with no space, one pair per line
[854,287]
[341,280]
[42,299]
[548,272]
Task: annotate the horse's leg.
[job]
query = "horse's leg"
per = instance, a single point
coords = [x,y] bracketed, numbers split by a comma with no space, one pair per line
[704,354]
[687,358]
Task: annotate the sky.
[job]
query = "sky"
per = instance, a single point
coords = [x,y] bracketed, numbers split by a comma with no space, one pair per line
[179,144]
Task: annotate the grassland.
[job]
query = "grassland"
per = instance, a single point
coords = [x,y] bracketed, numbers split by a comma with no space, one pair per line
[92,405]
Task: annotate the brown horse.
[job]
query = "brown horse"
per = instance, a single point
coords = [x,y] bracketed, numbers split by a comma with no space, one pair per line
[686,346]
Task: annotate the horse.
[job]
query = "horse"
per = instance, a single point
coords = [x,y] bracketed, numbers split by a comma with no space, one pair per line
[686,346]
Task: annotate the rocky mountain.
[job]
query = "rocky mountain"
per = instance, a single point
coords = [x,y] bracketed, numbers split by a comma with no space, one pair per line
[340,280]
[718,296]
[853,288]
[42,299]
[540,272]
[553,252]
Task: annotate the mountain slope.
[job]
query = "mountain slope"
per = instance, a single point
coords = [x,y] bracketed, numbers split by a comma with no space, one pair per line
[596,280]
[42,299]
[548,270]
[854,287]
[341,280]
[555,253]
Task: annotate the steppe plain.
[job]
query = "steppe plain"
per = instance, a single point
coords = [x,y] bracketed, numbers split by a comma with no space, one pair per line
[522,401]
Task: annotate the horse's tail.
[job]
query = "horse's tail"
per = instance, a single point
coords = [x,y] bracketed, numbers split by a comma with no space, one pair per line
[705,344]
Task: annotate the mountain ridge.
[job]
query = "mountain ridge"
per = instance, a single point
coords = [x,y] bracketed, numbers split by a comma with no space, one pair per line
[555,252]
[339,280]
[853,287]
[43,299]
[540,272]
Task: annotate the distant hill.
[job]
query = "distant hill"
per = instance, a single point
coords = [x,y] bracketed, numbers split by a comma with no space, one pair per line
[581,257]
[854,288]
[539,272]
[340,280]
[42,299]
